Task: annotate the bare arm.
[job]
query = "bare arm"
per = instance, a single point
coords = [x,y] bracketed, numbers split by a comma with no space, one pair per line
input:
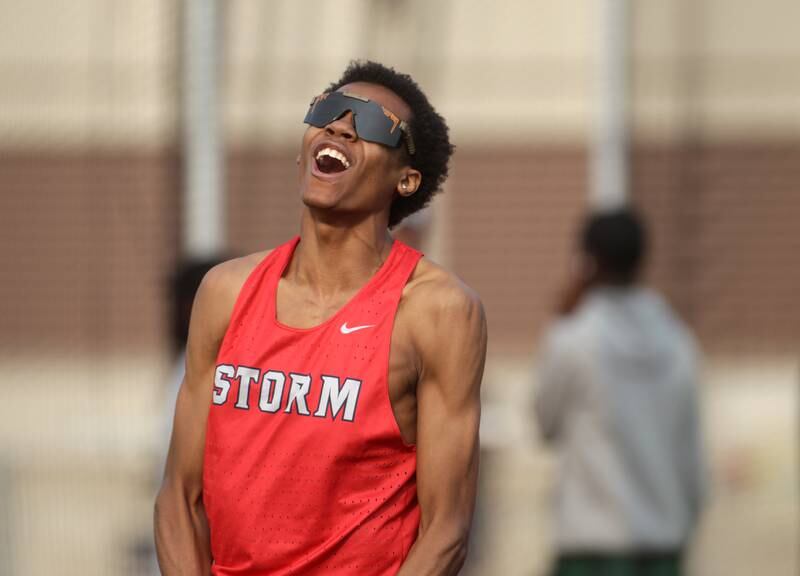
[452,349]
[181,527]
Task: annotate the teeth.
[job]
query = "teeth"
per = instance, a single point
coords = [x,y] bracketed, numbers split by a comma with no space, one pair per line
[334,154]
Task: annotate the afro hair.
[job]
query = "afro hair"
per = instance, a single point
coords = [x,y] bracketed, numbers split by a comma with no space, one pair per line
[429,129]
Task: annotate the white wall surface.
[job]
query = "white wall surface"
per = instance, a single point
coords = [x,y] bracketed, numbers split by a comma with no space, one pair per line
[98,72]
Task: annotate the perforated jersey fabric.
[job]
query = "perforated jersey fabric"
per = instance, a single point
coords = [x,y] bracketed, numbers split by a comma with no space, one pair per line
[305,470]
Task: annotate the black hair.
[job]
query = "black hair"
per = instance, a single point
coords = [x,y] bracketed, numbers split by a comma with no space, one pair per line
[183,287]
[429,129]
[617,240]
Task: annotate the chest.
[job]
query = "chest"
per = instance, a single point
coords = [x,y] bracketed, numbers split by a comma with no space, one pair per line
[302,309]
[299,307]
[304,362]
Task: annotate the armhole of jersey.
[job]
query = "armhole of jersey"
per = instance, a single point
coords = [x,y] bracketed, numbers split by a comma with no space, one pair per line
[395,425]
[253,277]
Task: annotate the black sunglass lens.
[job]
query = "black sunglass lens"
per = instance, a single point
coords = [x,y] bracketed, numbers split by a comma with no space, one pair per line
[371,123]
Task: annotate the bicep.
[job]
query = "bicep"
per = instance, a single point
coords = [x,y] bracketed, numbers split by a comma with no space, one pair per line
[448,397]
[185,459]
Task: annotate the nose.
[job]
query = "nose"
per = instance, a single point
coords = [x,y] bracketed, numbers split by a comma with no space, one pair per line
[343,127]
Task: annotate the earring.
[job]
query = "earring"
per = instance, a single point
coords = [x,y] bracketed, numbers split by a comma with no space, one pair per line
[404,186]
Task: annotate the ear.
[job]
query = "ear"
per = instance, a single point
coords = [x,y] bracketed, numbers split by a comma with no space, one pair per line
[410,182]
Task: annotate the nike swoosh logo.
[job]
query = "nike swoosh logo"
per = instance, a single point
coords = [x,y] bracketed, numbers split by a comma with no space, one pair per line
[345,329]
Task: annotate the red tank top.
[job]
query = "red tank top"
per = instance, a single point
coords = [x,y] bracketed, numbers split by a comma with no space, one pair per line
[305,470]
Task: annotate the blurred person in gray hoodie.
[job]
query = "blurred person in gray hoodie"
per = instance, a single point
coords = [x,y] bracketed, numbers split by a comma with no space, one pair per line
[617,396]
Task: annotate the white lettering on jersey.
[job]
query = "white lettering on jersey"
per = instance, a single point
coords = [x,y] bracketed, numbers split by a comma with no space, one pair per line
[300,386]
[246,375]
[222,384]
[334,397]
[271,385]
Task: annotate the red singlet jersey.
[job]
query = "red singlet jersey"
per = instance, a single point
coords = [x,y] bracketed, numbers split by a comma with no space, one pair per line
[305,470]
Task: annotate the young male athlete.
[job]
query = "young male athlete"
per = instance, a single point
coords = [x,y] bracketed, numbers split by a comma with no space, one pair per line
[328,420]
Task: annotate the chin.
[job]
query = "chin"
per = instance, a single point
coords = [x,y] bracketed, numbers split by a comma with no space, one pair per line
[319,197]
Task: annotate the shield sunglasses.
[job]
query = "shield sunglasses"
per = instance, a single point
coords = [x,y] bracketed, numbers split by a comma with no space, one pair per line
[372,121]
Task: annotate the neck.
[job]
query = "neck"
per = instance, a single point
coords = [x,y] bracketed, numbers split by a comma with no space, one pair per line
[334,257]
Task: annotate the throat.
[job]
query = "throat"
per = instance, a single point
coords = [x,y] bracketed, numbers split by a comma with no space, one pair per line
[326,270]
[301,307]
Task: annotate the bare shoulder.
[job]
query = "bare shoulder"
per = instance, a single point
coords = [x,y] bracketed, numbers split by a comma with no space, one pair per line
[437,299]
[431,288]
[226,279]
[211,314]
[446,327]
[219,290]
[232,274]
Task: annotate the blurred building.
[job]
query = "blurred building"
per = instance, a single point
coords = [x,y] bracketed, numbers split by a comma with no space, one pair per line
[90,174]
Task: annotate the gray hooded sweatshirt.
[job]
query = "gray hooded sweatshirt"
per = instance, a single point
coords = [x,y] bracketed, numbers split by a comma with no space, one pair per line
[617,394]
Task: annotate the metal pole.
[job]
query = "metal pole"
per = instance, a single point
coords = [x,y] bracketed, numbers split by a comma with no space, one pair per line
[204,202]
[609,168]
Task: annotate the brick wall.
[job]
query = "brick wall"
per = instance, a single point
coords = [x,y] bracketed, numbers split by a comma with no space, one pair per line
[89,240]
[264,205]
[513,218]
[726,239]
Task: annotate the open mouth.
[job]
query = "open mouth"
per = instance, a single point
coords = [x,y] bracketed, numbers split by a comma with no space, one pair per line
[331,161]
